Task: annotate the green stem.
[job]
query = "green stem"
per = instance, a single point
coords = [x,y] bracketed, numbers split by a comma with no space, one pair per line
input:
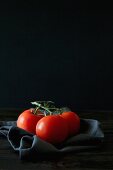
[45,108]
[40,106]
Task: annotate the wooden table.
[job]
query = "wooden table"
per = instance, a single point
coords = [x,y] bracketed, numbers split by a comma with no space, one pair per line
[90,160]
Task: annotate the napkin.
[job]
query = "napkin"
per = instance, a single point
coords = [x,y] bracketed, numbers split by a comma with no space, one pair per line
[30,147]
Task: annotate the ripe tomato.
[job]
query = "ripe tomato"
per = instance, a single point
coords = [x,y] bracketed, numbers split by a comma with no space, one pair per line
[52,128]
[73,121]
[27,121]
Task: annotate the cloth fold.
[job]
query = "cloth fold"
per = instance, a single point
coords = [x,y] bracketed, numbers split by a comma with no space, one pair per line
[31,147]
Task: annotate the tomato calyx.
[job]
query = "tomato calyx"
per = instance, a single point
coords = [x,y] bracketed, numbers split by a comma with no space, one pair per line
[36,111]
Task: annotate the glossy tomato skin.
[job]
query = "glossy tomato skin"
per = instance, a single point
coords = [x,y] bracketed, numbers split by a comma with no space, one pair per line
[73,122]
[52,129]
[27,121]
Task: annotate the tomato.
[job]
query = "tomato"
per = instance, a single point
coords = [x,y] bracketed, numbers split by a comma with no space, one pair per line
[27,120]
[73,121]
[52,128]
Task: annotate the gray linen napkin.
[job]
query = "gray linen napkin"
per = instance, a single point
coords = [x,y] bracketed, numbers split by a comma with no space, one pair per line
[30,147]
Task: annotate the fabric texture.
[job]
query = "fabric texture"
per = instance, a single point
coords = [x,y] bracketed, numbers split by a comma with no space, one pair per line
[30,147]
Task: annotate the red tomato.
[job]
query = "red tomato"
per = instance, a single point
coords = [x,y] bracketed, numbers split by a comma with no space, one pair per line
[27,121]
[73,121]
[52,128]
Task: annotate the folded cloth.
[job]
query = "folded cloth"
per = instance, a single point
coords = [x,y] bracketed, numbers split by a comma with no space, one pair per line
[31,147]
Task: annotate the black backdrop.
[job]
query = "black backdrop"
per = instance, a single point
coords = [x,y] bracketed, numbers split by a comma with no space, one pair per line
[61,53]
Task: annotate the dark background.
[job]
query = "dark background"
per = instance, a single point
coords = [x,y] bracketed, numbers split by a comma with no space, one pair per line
[61,52]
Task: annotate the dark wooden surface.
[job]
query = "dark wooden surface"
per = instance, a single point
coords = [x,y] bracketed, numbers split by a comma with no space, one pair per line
[90,160]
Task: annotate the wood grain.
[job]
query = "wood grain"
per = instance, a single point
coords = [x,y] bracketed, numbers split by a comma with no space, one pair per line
[101,158]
